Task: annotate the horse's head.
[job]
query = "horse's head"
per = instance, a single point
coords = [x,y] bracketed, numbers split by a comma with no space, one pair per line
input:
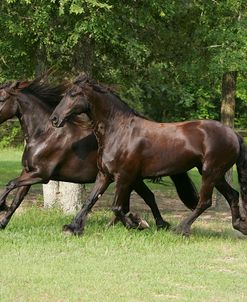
[8,99]
[74,102]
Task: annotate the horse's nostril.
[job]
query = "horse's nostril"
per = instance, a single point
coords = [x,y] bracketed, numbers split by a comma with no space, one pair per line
[54,120]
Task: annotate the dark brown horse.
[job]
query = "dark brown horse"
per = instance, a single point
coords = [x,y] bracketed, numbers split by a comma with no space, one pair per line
[67,154]
[132,147]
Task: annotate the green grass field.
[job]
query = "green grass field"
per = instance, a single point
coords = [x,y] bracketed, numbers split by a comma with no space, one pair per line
[39,263]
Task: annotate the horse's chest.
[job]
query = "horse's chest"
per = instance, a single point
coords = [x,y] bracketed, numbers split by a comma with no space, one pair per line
[109,159]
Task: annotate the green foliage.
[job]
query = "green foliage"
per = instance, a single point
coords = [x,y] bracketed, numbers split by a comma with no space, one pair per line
[166,57]
[11,135]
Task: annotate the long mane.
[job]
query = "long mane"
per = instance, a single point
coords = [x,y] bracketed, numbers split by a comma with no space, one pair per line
[84,79]
[47,93]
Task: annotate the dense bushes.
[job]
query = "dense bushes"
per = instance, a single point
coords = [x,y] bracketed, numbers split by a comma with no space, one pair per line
[11,134]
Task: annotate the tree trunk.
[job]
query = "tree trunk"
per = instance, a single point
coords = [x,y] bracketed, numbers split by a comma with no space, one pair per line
[70,196]
[50,193]
[67,195]
[50,190]
[227,118]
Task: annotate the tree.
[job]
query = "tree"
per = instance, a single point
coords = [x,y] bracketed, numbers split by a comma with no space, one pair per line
[229,80]
[67,195]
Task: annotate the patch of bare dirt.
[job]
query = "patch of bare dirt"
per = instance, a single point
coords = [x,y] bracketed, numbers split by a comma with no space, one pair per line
[166,204]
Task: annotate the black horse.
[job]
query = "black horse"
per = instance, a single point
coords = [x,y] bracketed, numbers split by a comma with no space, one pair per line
[67,154]
[132,147]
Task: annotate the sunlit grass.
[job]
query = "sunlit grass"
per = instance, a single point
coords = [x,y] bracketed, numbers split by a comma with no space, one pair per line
[39,263]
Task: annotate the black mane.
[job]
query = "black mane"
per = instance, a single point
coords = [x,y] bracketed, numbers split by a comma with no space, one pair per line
[48,94]
[101,88]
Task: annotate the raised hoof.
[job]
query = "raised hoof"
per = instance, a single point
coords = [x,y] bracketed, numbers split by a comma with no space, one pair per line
[138,222]
[70,230]
[163,226]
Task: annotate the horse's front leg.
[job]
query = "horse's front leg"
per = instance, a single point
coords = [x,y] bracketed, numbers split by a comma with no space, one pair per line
[4,195]
[76,227]
[25,179]
[3,205]
[8,188]
[122,195]
[20,194]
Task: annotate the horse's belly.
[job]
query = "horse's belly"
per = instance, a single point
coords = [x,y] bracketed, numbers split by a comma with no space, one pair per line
[169,166]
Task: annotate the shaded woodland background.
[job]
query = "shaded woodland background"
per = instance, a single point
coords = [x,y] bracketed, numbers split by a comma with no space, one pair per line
[168,59]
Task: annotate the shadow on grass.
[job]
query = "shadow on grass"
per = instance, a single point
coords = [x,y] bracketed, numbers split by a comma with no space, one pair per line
[38,220]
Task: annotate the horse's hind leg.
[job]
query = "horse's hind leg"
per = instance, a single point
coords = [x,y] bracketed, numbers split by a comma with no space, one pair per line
[232,198]
[205,202]
[20,194]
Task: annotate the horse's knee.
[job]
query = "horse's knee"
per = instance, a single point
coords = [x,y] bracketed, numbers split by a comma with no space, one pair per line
[10,185]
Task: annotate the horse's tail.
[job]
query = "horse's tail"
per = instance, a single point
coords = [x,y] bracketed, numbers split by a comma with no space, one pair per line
[242,171]
[186,190]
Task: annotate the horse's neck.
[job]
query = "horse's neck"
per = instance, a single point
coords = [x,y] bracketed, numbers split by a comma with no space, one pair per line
[107,119]
[33,117]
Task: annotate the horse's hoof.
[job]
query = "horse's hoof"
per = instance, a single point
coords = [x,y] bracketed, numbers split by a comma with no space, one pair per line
[182,230]
[164,226]
[137,222]
[143,224]
[70,230]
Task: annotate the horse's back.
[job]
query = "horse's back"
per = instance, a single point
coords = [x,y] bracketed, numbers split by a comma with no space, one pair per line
[183,145]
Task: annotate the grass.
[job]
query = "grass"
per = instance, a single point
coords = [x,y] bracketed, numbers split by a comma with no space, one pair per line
[39,263]
[10,165]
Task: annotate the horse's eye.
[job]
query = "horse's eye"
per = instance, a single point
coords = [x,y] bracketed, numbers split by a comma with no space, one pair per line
[4,96]
[73,94]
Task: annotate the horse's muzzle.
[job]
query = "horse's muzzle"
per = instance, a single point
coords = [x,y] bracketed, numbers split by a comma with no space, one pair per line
[56,122]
